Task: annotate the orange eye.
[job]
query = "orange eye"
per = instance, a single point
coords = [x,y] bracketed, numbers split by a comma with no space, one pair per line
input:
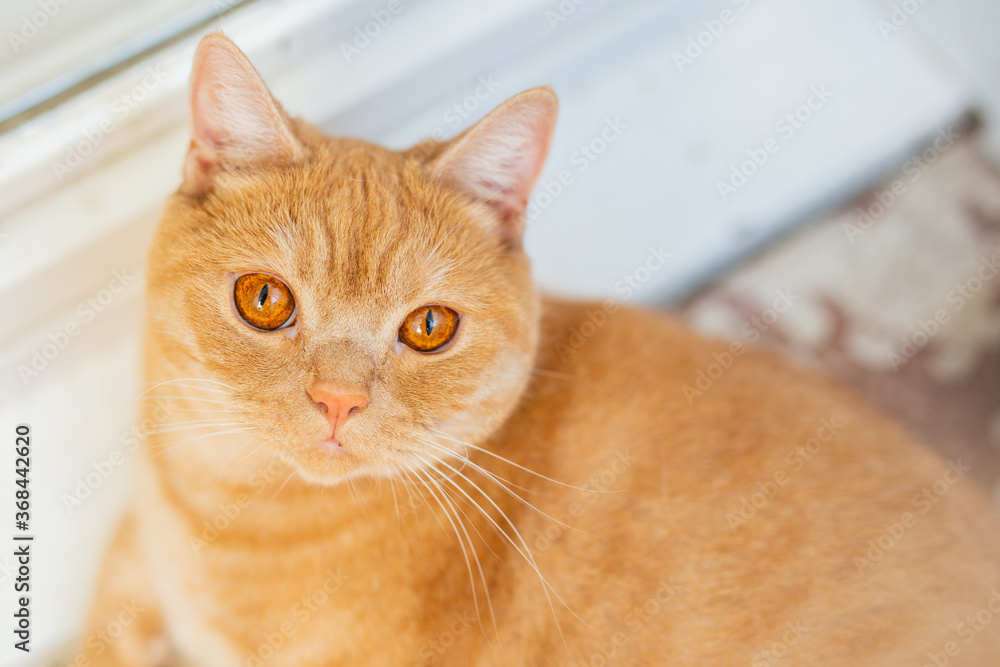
[263,301]
[429,328]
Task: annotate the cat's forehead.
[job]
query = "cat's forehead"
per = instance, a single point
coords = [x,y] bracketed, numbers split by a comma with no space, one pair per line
[357,229]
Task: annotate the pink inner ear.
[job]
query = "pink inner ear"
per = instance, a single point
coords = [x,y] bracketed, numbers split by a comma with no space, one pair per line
[499,160]
[234,120]
[207,131]
[511,215]
[206,135]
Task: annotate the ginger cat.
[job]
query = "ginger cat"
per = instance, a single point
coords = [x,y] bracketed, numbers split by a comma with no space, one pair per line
[375,445]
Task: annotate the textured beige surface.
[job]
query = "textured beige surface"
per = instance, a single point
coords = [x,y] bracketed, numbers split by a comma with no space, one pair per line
[878,303]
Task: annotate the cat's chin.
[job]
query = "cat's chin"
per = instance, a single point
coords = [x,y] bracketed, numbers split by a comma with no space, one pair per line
[316,476]
[319,478]
[329,464]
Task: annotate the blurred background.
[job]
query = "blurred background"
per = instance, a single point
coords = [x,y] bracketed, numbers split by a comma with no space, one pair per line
[822,177]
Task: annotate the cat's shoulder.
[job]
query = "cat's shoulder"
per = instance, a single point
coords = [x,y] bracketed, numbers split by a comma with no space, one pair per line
[588,335]
[654,359]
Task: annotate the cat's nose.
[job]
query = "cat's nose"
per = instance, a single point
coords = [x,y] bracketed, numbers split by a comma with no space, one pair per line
[337,403]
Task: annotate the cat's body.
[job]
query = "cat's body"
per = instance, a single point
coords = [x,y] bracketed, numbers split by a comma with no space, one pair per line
[768,518]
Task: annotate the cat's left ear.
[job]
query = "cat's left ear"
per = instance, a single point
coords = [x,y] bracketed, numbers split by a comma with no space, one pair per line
[498,160]
[235,122]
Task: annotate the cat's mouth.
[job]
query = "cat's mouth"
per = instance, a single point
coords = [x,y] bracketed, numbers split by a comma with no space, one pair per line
[329,461]
[332,447]
[329,456]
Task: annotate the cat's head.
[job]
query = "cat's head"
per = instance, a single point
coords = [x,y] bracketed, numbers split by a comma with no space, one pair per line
[362,308]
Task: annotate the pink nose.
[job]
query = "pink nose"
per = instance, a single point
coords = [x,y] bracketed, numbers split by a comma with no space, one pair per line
[337,404]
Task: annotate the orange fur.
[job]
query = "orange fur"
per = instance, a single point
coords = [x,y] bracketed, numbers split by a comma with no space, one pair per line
[515,498]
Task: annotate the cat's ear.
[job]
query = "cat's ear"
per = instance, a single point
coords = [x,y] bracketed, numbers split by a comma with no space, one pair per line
[235,123]
[498,160]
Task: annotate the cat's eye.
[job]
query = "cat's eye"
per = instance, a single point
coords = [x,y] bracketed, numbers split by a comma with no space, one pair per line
[429,328]
[263,301]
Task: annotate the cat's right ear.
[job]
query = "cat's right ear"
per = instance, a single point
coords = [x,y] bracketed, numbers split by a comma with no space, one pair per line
[498,160]
[235,122]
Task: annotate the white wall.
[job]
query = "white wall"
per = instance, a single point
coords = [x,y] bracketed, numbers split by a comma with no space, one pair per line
[962,39]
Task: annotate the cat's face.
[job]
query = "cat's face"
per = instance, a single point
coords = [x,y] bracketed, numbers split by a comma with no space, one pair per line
[326,346]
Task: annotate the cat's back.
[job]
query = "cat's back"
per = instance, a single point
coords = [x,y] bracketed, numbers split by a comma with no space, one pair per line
[742,510]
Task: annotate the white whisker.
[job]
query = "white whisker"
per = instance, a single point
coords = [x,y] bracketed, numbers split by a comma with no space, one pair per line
[525,553]
[167,446]
[500,482]
[465,553]
[512,463]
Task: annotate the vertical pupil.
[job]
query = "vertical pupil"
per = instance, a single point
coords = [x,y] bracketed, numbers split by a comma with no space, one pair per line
[262,298]
[429,322]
